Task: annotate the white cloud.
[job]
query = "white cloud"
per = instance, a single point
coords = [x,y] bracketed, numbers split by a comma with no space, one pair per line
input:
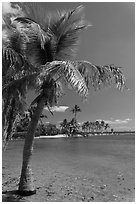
[58,108]
[118,121]
[128,119]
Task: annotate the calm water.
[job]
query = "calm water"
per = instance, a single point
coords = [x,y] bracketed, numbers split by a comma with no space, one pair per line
[75,153]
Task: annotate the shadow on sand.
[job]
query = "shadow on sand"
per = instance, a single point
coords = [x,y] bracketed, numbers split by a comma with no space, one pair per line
[11,196]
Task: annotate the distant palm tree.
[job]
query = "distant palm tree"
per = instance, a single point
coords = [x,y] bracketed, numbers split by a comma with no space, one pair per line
[75,110]
[102,125]
[64,125]
[39,55]
[73,126]
[97,123]
[106,126]
[91,126]
[86,126]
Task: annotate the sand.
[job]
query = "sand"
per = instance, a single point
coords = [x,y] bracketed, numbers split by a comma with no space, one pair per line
[69,177]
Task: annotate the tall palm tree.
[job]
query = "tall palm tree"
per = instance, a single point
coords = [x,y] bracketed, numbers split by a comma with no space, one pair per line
[39,54]
[64,125]
[75,110]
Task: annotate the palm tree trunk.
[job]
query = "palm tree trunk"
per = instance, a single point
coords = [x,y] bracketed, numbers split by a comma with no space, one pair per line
[26,184]
[75,115]
[4,112]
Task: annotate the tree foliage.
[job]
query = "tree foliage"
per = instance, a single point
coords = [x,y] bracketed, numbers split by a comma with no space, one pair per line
[38,53]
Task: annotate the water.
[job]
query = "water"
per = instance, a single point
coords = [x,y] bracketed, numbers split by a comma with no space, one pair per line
[75,153]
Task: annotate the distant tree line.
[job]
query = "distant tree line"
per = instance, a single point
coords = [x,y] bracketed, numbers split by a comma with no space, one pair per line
[97,126]
[69,128]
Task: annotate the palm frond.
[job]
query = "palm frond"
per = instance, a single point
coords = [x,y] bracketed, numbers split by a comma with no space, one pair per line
[13,106]
[37,99]
[50,90]
[49,109]
[98,76]
[12,62]
[67,71]
[18,88]
[59,39]
[33,40]
[74,78]
[82,75]
[35,12]
[64,28]
[30,30]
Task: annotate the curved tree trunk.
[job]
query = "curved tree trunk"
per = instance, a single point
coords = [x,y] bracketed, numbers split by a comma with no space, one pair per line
[26,184]
[8,124]
[75,115]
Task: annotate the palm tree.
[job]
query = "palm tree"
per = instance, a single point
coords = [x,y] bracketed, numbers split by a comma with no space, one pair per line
[91,126]
[106,126]
[73,126]
[87,124]
[84,127]
[97,123]
[75,110]
[39,54]
[64,126]
[102,125]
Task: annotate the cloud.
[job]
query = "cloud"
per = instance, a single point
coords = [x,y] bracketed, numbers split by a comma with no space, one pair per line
[128,119]
[118,121]
[58,108]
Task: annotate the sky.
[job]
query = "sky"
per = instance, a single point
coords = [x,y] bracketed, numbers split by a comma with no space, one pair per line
[110,40]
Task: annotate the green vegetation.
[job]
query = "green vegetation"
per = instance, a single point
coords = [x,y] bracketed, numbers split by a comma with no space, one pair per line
[69,128]
[38,54]
[97,126]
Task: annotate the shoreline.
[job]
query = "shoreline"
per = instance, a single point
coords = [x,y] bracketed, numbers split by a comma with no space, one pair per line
[77,136]
[51,136]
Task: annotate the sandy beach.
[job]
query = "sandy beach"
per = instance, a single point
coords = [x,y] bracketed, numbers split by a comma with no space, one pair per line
[95,169]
